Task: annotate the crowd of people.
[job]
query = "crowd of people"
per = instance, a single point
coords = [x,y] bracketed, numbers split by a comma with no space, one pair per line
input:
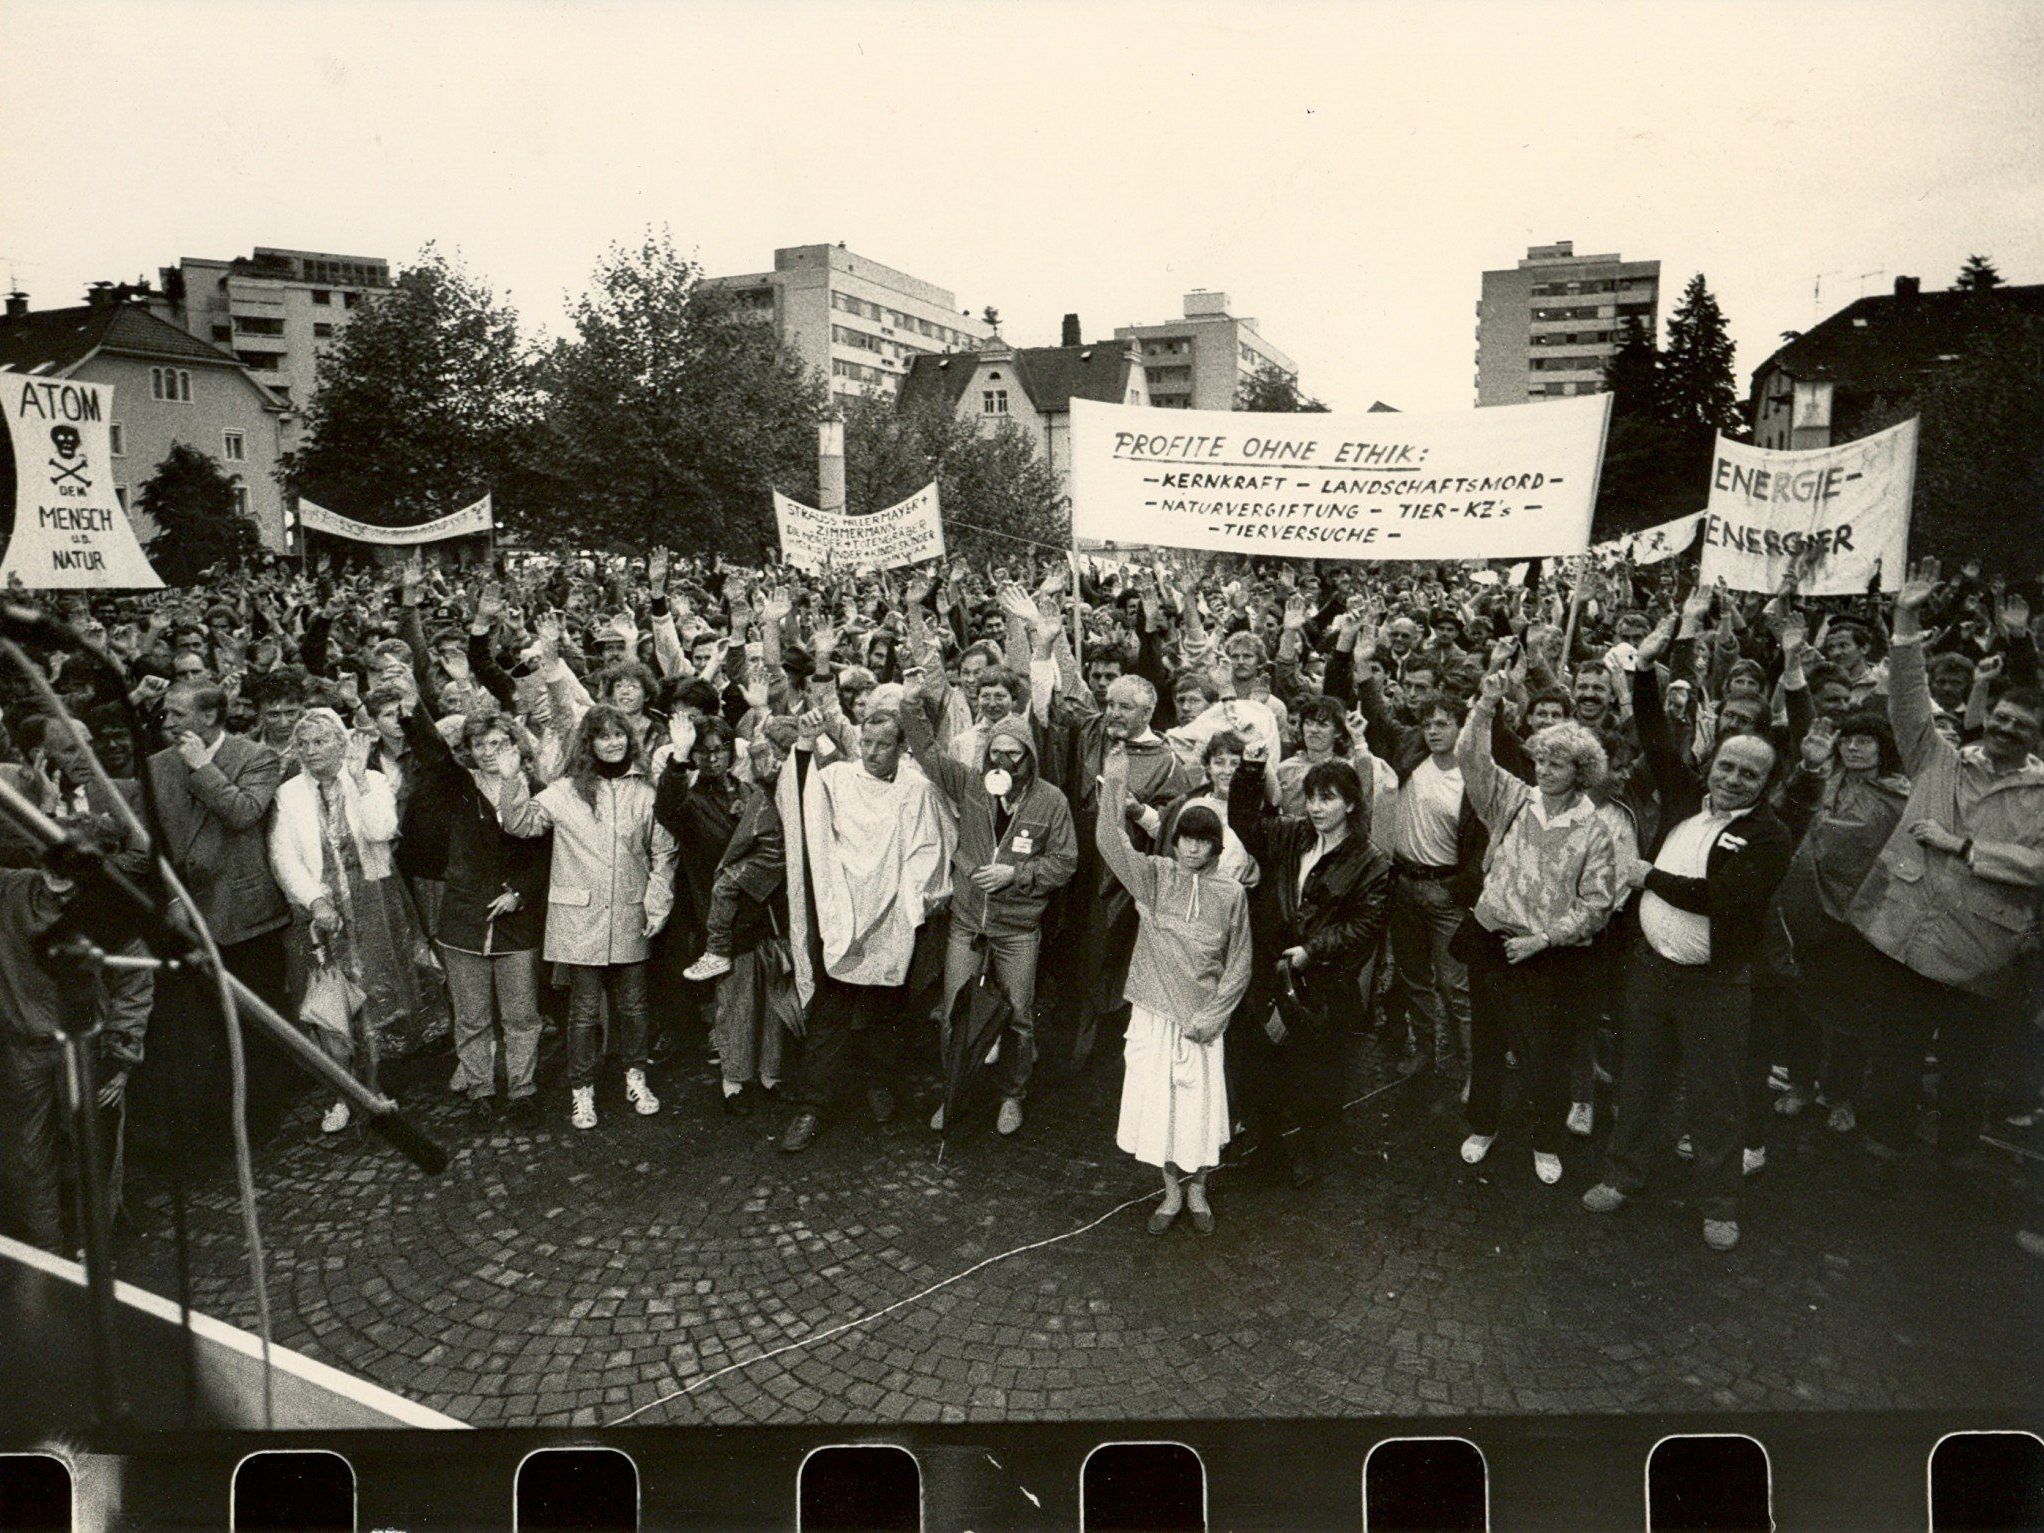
[1579,839]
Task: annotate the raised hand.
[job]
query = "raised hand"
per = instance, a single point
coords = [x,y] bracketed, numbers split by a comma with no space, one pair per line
[1918,588]
[1818,742]
[1015,602]
[656,570]
[1495,685]
[1295,613]
[681,734]
[2014,614]
[1656,643]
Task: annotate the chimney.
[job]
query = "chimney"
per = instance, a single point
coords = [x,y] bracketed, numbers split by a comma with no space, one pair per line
[1907,289]
[17,304]
[102,295]
[1071,335]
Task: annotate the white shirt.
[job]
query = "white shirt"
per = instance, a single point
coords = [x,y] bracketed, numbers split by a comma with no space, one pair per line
[1429,809]
[1320,848]
[1683,936]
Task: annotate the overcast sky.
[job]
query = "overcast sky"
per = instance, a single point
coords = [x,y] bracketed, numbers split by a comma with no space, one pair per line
[1344,171]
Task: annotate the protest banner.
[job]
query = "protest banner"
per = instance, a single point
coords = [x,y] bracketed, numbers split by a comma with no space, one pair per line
[907,532]
[1507,482]
[1844,510]
[1652,545]
[469,521]
[67,530]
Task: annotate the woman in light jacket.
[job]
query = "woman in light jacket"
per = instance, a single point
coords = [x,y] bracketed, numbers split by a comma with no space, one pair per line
[610,890]
[1187,975]
[330,849]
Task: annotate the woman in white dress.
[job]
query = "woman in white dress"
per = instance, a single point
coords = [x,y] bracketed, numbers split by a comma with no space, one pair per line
[1188,973]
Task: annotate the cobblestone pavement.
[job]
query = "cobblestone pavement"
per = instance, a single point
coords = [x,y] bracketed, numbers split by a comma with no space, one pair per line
[559,1278]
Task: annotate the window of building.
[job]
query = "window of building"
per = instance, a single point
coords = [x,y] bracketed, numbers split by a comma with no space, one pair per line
[121,495]
[322,297]
[170,383]
[233,447]
[322,331]
[259,361]
[1135,396]
[993,402]
[255,324]
[240,498]
[223,332]
[349,300]
[116,439]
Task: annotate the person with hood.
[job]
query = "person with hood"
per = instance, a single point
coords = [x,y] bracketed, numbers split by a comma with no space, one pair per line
[1016,848]
[878,850]
[1189,970]
[1842,803]
[610,891]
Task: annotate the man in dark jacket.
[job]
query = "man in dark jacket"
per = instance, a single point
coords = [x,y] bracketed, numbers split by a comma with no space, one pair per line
[1016,848]
[1719,854]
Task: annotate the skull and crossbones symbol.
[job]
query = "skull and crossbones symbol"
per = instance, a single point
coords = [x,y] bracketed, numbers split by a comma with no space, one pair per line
[66,441]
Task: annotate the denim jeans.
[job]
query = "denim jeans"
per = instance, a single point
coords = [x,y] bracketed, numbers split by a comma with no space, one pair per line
[1432,980]
[1014,960]
[500,987]
[588,984]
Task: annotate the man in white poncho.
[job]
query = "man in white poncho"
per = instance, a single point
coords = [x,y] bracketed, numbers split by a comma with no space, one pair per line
[878,846]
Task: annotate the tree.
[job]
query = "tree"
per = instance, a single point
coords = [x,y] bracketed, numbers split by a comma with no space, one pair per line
[1980,452]
[671,415]
[1632,374]
[1977,276]
[419,403]
[197,526]
[1697,386]
[995,479]
[1272,390]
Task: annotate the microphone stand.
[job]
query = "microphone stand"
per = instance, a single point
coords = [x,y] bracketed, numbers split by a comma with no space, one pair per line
[137,915]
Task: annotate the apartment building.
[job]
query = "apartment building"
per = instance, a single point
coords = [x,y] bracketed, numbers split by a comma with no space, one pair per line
[858,323]
[1198,362]
[278,311]
[1545,326]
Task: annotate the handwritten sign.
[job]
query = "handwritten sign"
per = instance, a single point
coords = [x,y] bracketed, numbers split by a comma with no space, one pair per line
[1844,510]
[1508,482]
[68,531]
[1652,545]
[467,522]
[908,532]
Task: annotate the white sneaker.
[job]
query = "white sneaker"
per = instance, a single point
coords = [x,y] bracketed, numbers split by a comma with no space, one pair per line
[1684,1148]
[709,966]
[337,1118]
[638,1093]
[1476,1146]
[1547,1167]
[1582,1117]
[1753,1162]
[584,1115]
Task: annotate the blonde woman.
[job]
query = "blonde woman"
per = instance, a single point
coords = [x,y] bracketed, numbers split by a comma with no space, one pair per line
[351,921]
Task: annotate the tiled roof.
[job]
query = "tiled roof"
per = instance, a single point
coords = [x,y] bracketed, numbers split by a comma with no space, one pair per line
[1883,341]
[1052,376]
[59,338]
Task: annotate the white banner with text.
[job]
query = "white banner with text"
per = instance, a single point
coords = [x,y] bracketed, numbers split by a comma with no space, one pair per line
[69,531]
[468,522]
[908,532]
[1843,511]
[1508,482]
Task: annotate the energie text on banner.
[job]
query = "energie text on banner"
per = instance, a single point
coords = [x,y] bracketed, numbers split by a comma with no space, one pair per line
[1844,510]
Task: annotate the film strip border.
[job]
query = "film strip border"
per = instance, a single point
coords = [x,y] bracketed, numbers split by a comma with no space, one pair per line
[1806,1471]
